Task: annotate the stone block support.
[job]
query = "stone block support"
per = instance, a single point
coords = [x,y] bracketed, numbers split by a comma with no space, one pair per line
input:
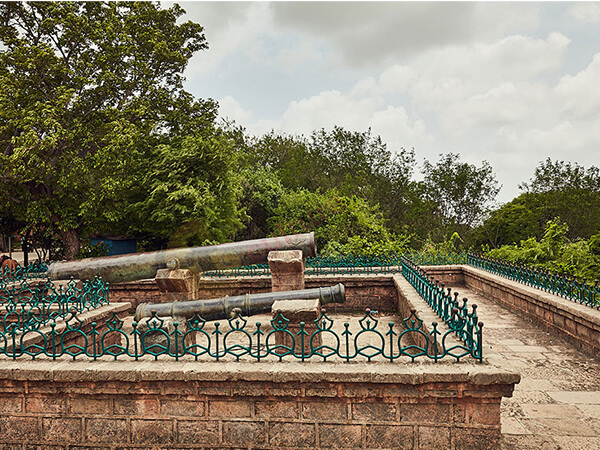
[287,270]
[297,311]
[177,284]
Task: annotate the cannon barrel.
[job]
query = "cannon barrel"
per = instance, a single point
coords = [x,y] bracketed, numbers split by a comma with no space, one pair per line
[139,266]
[221,308]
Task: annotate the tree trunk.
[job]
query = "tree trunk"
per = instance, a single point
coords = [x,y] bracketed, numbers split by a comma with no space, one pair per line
[71,240]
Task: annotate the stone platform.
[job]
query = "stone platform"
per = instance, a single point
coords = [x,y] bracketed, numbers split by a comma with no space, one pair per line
[557,403]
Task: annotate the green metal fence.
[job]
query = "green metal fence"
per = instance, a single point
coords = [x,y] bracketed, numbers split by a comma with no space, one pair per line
[29,306]
[349,265]
[235,340]
[9,276]
[447,306]
[569,288]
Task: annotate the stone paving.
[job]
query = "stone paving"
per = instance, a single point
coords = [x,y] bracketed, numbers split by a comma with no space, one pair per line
[557,403]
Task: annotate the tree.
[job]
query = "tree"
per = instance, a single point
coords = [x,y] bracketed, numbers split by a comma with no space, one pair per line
[557,189]
[87,89]
[337,221]
[262,190]
[351,162]
[193,191]
[461,191]
[560,176]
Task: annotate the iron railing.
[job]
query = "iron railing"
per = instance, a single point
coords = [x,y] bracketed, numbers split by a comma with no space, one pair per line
[234,340]
[455,314]
[29,305]
[565,287]
[349,265]
[9,276]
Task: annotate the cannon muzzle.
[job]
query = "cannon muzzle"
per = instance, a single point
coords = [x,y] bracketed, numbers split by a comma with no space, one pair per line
[221,308]
[139,266]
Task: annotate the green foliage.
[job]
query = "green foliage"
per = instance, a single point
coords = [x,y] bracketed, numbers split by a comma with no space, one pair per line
[85,89]
[340,223]
[261,192]
[461,191]
[353,163]
[560,176]
[193,190]
[594,244]
[554,252]
[570,192]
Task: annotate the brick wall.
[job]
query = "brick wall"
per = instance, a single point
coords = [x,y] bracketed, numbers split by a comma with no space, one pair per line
[126,405]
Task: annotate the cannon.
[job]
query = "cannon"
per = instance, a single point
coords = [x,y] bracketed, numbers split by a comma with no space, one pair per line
[139,266]
[249,304]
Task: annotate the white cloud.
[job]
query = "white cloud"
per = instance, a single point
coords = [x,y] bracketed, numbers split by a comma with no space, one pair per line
[366,33]
[230,108]
[588,12]
[230,28]
[580,94]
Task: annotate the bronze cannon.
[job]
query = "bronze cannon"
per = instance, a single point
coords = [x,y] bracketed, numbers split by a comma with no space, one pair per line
[139,266]
[249,304]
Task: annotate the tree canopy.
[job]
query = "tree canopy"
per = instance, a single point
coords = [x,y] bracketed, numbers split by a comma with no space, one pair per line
[461,191]
[557,189]
[85,89]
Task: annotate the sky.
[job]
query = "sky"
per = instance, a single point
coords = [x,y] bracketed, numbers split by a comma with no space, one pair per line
[508,83]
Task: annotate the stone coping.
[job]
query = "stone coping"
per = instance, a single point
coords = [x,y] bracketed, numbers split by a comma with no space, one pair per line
[281,372]
[569,306]
[554,300]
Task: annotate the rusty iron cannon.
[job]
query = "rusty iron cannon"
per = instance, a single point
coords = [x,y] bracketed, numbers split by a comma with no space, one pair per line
[249,304]
[139,266]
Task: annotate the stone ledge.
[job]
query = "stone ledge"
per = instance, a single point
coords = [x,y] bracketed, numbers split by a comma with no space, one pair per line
[544,298]
[130,371]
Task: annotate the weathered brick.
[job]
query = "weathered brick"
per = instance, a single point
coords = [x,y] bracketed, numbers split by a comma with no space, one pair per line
[338,435]
[402,392]
[483,414]
[91,406]
[276,410]
[134,406]
[178,388]
[152,432]
[218,408]
[44,447]
[11,405]
[12,427]
[394,436]
[248,389]
[106,430]
[84,447]
[321,391]
[425,413]
[325,410]
[476,439]
[195,431]
[285,391]
[62,429]
[374,412]
[434,437]
[244,433]
[214,390]
[361,391]
[282,434]
[182,408]
[50,404]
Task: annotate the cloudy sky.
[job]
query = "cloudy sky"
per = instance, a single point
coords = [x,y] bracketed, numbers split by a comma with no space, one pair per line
[510,83]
